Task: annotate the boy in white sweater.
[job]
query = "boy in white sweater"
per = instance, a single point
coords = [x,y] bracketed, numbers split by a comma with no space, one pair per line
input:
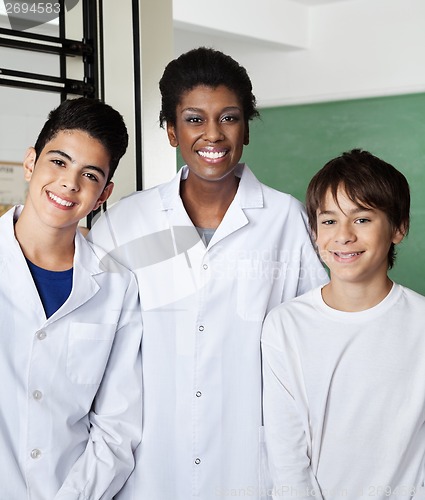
[344,377]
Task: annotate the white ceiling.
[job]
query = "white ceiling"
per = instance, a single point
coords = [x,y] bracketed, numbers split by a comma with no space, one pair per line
[318,2]
[315,50]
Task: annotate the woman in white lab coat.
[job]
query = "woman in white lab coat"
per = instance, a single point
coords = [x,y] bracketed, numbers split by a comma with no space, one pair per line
[213,250]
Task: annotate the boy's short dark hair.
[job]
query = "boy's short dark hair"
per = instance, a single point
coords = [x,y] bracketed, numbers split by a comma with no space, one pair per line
[369,182]
[97,119]
[209,67]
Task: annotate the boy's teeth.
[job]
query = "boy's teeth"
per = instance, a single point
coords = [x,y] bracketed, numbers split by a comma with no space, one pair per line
[347,255]
[212,154]
[60,201]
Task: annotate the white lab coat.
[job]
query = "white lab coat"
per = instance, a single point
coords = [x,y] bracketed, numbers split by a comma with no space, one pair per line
[70,385]
[203,310]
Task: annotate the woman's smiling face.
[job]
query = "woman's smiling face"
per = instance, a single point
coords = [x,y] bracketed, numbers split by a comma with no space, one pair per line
[210,130]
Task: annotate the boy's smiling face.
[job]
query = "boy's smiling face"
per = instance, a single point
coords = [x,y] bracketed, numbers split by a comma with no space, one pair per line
[354,240]
[67,181]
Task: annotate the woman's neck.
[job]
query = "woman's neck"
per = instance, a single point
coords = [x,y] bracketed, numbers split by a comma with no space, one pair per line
[207,202]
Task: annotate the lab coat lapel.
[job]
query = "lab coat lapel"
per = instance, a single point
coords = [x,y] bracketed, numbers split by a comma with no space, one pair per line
[172,204]
[184,235]
[249,195]
[84,285]
[22,285]
[14,271]
[233,220]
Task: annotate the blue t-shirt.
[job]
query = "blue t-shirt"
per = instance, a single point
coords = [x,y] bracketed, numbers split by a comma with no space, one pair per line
[53,287]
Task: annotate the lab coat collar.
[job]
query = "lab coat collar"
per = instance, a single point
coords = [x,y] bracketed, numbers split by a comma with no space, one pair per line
[249,194]
[7,232]
[170,191]
[86,267]
[84,285]
[22,286]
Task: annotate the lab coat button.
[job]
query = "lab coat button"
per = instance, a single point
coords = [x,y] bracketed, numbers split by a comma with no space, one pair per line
[41,335]
[205,266]
[37,395]
[198,394]
[35,453]
[197,461]
[201,328]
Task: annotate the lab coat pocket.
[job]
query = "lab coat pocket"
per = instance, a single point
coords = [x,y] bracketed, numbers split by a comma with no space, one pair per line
[260,285]
[89,346]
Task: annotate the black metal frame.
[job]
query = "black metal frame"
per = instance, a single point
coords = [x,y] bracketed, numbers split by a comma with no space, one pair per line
[63,47]
[90,49]
[137,94]
[87,48]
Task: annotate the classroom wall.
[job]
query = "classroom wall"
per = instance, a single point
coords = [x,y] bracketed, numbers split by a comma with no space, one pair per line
[26,111]
[277,24]
[354,48]
[290,143]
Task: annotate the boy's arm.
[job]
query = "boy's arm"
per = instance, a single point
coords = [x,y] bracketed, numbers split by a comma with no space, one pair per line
[115,419]
[285,420]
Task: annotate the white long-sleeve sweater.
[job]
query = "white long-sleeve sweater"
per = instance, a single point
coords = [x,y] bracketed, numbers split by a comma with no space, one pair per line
[344,398]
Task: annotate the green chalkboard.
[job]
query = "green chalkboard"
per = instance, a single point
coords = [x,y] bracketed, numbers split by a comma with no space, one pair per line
[289,144]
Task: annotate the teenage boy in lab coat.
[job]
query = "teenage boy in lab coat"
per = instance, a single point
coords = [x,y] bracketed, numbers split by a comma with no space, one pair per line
[344,376]
[69,331]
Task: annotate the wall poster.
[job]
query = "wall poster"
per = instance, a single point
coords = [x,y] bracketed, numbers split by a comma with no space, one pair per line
[13,187]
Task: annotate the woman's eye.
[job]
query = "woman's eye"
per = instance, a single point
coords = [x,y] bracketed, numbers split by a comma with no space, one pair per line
[230,118]
[328,222]
[193,119]
[362,221]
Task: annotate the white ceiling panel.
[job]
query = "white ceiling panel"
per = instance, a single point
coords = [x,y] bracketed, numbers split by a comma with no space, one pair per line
[319,2]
